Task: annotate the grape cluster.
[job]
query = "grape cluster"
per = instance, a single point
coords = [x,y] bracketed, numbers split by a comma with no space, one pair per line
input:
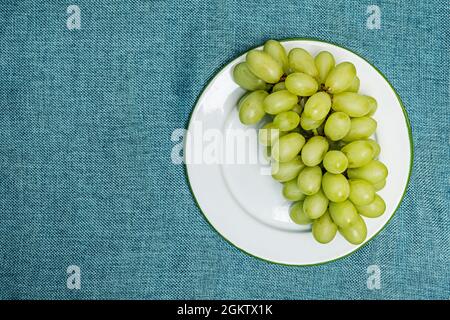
[318,137]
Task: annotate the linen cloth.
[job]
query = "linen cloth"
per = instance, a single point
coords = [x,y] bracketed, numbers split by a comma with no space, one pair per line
[86,177]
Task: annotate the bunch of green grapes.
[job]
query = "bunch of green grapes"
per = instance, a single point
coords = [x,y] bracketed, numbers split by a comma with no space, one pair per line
[318,137]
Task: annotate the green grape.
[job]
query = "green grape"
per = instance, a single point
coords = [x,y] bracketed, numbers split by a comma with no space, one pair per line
[309,124]
[287,120]
[353,104]
[343,213]
[269,133]
[251,108]
[285,171]
[354,87]
[361,128]
[315,205]
[309,180]
[301,84]
[288,147]
[335,187]
[318,106]
[277,52]
[373,105]
[335,162]
[375,147]
[301,61]
[324,229]
[246,79]
[325,63]
[280,101]
[361,192]
[358,153]
[337,126]
[279,86]
[340,77]
[292,192]
[374,209]
[356,232]
[379,185]
[262,65]
[373,172]
[314,150]
[297,214]
[298,109]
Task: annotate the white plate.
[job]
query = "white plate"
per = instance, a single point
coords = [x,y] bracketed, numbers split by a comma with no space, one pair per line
[244,204]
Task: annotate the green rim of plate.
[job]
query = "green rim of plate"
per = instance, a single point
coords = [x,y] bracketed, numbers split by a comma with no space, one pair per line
[408,124]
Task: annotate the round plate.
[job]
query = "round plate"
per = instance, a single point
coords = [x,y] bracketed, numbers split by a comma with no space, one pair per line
[230,177]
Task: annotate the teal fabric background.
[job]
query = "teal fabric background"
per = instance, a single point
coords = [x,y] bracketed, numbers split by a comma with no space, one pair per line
[86,176]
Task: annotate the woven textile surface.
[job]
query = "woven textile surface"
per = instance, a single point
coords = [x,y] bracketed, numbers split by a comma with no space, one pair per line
[86,176]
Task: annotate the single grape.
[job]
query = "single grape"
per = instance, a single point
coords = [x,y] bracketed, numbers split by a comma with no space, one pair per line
[292,192]
[353,104]
[343,213]
[301,84]
[314,150]
[360,128]
[287,120]
[361,192]
[337,126]
[358,153]
[246,79]
[335,162]
[251,108]
[325,63]
[318,106]
[374,209]
[301,60]
[356,232]
[373,172]
[297,214]
[324,229]
[340,77]
[309,180]
[286,171]
[278,53]
[335,187]
[288,147]
[262,65]
[279,101]
[315,205]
